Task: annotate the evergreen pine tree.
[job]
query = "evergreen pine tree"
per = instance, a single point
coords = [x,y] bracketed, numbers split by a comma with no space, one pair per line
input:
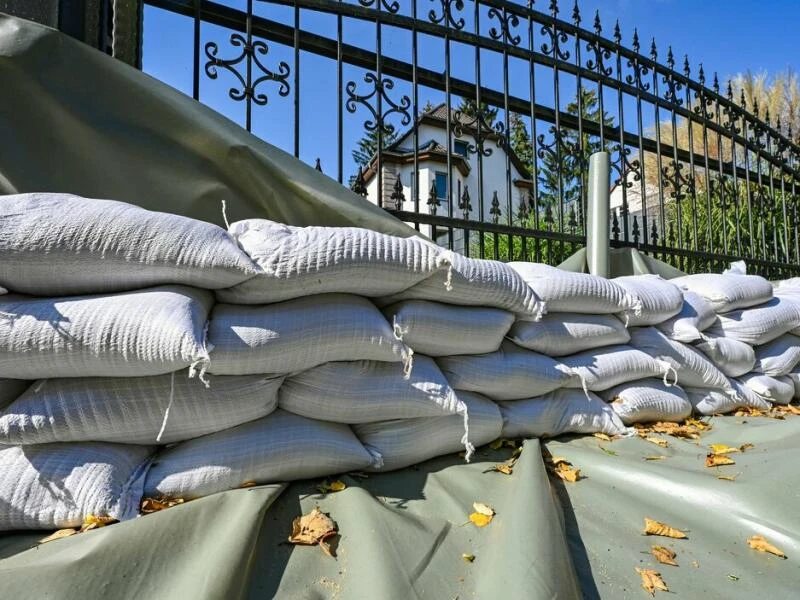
[367,146]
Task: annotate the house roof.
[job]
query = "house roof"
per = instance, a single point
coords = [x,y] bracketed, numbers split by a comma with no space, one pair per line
[433,150]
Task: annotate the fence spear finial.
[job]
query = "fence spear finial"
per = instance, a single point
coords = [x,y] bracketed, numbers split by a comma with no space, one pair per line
[653,51]
[598,28]
[635,40]
[576,14]
[554,8]
[715,85]
[670,58]
[686,70]
[617,34]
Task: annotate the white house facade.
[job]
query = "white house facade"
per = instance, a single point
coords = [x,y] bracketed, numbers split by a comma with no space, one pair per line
[467,167]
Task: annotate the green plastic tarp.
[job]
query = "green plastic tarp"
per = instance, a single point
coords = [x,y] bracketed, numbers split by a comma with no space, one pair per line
[74,120]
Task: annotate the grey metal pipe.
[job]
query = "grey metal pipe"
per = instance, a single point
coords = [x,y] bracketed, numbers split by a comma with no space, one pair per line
[597,241]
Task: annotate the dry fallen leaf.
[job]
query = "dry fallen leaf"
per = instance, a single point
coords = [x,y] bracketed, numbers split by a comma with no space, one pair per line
[94,521]
[565,471]
[468,557]
[718,460]
[664,555]
[313,528]
[57,535]
[652,527]
[659,457]
[760,543]
[657,441]
[248,484]
[745,447]
[651,581]
[603,436]
[151,505]
[331,486]
[502,443]
[788,409]
[480,520]
[701,425]
[723,449]
[728,477]
[504,469]
[483,509]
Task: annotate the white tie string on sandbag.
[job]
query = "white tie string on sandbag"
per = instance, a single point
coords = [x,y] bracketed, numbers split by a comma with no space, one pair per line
[407,354]
[169,405]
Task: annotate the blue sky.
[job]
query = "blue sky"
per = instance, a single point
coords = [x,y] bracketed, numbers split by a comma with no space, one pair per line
[728,37]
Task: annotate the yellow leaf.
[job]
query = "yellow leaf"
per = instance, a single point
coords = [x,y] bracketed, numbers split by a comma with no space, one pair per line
[94,521]
[468,557]
[728,477]
[483,509]
[314,528]
[657,441]
[565,471]
[480,520]
[651,581]
[555,460]
[652,527]
[717,460]
[603,436]
[331,486]
[699,424]
[760,543]
[151,505]
[745,447]
[664,555]
[248,484]
[57,535]
[504,469]
[659,457]
[497,444]
[722,449]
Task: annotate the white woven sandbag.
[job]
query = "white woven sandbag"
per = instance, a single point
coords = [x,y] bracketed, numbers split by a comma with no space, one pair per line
[405,442]
[559,334]
[302,261]
[660,299]
[437,329]
[510,373]
[560,411]
[779,356]
[778,390]
[648,400]
[475,282]
[794,375]
[709,402]
[277,448]
[11,389]
[366,391]
[3,290]
[603,368]
[747,396]
[564,291]
[730,356]
[59,244]
[135,410]
[760,324]
[695,317]
[692,367]
[299,334]
[727,292]
[131,334]
[50,486]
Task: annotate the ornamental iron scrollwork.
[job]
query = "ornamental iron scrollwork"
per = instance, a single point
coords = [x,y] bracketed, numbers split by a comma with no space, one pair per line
[728,112]
[681,184]
[378,92]
[391,7]
[480,130]
[250,52]
[447,18]
[623,166]
[465,203]
[557,37]
[673,86]
[601,54]
[495,209]
[433,198]
[507,22]
[639,70]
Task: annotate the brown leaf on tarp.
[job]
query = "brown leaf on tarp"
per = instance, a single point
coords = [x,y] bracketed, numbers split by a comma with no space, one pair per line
[789,409]
[331,486]
[746,447]
[657,441]
[747,411]
[701,425]
[565,471]
[760,543]
[652,527]
[603,436]
[151,505]
[651,581]
[313,528]
[57,535]
[479,519]
[468,557]
[94,521]
[248,484]
[723,449]
[504,469]
[502,443]
[664,555]
[718,460]
[728,477]
[655,457]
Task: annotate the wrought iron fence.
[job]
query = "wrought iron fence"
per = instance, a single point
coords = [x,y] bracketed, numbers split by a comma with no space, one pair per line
[474,120]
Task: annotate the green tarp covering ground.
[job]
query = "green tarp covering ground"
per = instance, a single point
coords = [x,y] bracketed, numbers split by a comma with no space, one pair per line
[74,120]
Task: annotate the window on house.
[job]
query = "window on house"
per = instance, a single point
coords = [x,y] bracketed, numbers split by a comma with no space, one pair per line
[441,186]
[460,147]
